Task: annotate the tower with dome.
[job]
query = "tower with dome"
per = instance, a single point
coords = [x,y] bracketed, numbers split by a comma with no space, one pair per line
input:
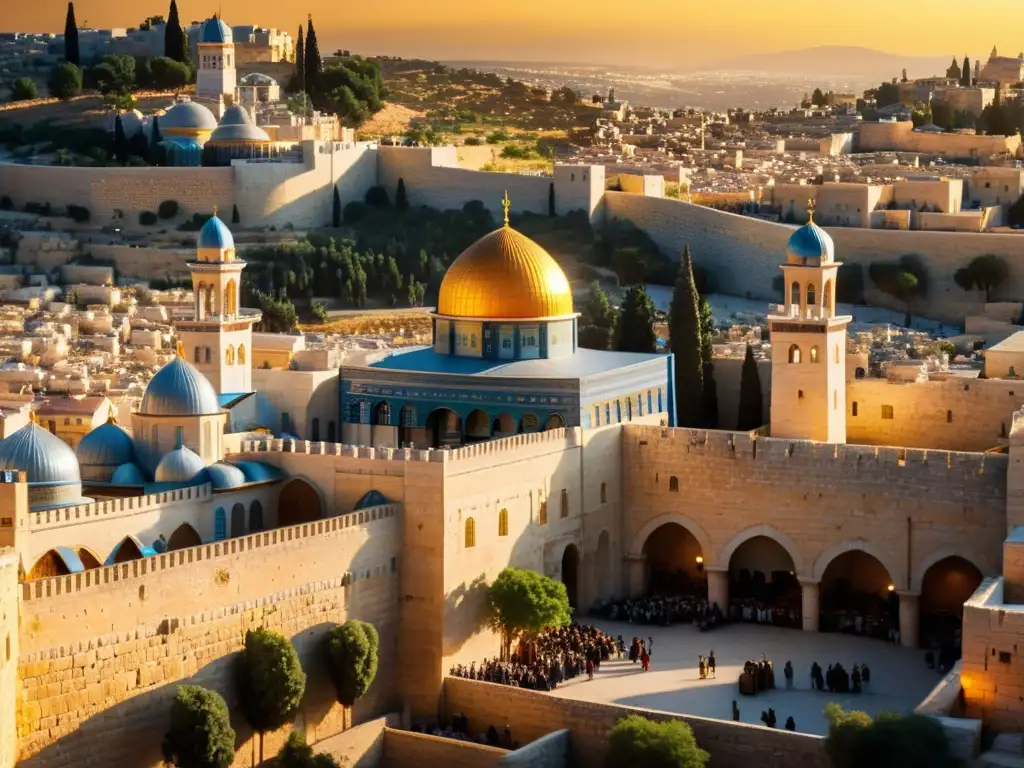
[215,73]
[504,361]
[809,342]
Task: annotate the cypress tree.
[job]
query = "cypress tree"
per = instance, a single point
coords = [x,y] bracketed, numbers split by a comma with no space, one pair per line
[313,65]
[551,199]
[709,393]
[401,200]
[336,211]
[300,61]
[685,339]
[954,70]
[235,218]
[751,413]
[965,78]
[71,37]
[175,41]
[156,134]
[120,141]
[634,332]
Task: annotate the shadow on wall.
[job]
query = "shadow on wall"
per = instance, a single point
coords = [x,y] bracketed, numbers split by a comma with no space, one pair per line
[130,732]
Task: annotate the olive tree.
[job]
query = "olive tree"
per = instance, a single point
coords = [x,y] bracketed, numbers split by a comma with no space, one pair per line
[635,740]
[353,649]
[523,602]
[200,734]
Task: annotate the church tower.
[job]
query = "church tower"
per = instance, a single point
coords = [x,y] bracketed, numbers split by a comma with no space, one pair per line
[809,343]
[215,76]
[218,340]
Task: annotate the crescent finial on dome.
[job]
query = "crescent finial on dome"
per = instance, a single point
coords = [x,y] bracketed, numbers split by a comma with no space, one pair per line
[506,204]
[810,211]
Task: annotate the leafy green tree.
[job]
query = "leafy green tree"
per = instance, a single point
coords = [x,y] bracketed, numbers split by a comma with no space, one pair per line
[120,141]
[200,733]
[953,71]
[685,342]
[279,315]
[270,681]
[634,330]
[887,94]
[175,39]
[65,81]
[855,740]
[986,273]
[313,65]
[707,362]
[296,753]
[319,312]
[597,309]
[24,89]
[353,89]
[965,79]
[818,98]
[522,602]
[336,208]
[905,281]
[401,200]
[593,337]
[168,74]
[71,52]
[637,741]
[300,62]
[629,265]
[300,104]
[751,414]
[352,653]
[115,74]
[416,292]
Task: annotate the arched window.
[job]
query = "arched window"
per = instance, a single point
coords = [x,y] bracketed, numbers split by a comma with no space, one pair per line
[470,533]
[220,524]
[255,517]
[814,354]
[810,294]
[209,355]
[382,414]
[286,423]
[199,354]
[503,523]
[835,399]
[604,493]
[794,354]
[542,514]
[639,405]
[330,432]
[673,484]
[238,520]
[565,503]
[629,409]
[650,403]
[231,298]
[229,355]
[241,354]
[836,353]
[794,294]
[316,430]
[827,298]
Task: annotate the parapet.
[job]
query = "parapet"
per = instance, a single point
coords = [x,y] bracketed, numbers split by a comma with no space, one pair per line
[129,505]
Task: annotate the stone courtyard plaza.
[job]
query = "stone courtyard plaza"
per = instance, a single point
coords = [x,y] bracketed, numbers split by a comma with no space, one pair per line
[899,678]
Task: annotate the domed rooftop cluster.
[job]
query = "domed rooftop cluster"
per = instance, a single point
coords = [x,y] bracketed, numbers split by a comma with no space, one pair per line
[505,275]
[187,115]
[216,235]
[236,127]
[106,446]
[181,465]
[42,456]
[215,31]
[179,389]
[811,246]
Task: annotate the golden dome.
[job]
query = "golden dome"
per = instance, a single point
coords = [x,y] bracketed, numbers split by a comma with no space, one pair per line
[505,276]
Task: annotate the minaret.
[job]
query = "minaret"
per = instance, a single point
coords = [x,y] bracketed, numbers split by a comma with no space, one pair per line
[215,75]
[809,342]
[218,341]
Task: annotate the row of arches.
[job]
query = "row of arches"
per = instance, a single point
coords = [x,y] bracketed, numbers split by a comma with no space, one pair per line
[807,296]
[206,300]
[796,355]
[857,590]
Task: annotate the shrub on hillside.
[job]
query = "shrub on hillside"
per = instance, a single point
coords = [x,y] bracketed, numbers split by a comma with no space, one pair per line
[168,209]
[24,89]
[377,197]
[889,741]
[65,81]
[147,218]
[637,741]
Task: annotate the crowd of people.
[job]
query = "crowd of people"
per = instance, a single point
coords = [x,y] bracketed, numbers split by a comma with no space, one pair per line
[837,680]
[664,611]
[757,676]
[458,729]
[557,655]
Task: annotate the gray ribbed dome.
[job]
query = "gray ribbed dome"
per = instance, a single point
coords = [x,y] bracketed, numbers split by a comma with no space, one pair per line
[106,446]
[179,466]
[188,115]
[128,474]
[236,125]
[179,389]
[43,457]
[224,475]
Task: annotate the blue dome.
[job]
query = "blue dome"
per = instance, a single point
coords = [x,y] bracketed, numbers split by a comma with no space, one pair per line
[258,472]
[215,31]
[106,446]
[224,475]
[215,234]
[128,474]
[179,389]
[810,245]
[44,457]
[179,466]
[371,499]
[187,115]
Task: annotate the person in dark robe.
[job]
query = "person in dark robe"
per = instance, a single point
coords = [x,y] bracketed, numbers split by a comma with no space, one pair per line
[855,678]
[787,672]
[711,663]
[634,651]
[764,718]
[702,668]
[865,674]
[590,670]
[790,723]
[772,720]
[816,678]
[735,712]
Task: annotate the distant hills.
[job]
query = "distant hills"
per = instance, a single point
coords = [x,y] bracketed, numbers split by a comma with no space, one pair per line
[834,60]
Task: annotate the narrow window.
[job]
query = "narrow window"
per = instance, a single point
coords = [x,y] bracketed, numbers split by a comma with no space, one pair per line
[673,484]
[853,408]
[604,493]
[542,514]
[470,533]
[799,394]
[886,411]
[794,354]
[949,417]
[565,503]
[814,354]
[503,523]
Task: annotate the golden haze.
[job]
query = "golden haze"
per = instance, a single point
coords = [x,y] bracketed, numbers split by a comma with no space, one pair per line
[656,32]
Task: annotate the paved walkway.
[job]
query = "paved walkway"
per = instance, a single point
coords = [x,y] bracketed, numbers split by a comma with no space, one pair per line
[899,678]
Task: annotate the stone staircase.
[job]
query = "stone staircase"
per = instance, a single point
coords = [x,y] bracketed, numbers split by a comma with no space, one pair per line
[1007,751]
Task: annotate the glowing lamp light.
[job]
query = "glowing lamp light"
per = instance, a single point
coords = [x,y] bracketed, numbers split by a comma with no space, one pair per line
[700,560]
[891,587]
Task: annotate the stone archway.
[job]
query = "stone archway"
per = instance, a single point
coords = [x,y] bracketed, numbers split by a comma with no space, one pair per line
[298,503]
[570,573]
[48,565]
[478,427]
[127,550]
[184,536]
[766,531]
[857,593]
[945,586]
[674,559]
[88,558]
[762,573]
[444,428]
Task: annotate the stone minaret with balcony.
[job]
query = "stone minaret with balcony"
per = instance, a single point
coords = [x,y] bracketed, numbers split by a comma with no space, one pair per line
[808,342]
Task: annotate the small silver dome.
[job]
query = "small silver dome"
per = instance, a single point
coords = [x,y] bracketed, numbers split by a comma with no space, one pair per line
[179,389]
[43,457]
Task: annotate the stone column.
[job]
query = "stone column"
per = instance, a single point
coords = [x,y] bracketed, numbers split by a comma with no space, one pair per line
[635,574]
[718,588]
[809,604]
[909,618]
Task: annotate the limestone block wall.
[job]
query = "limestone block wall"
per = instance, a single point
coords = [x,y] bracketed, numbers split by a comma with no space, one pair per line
[145,593]
[743,254]
[533,715]
[953,415]
[145,263]
[907,507]
[46,251]
[901,137]
[8,656]
[404,748]
[992,672]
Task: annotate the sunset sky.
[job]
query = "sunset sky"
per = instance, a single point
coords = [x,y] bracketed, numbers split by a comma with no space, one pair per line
[664,33]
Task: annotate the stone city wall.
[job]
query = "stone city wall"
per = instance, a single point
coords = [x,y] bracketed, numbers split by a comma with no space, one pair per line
[992,671]
[8,656]
[532,715]
[743,254]
[118,598]
[901,137]
[907,507]
[954,415]
[145,263]
[405,748]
